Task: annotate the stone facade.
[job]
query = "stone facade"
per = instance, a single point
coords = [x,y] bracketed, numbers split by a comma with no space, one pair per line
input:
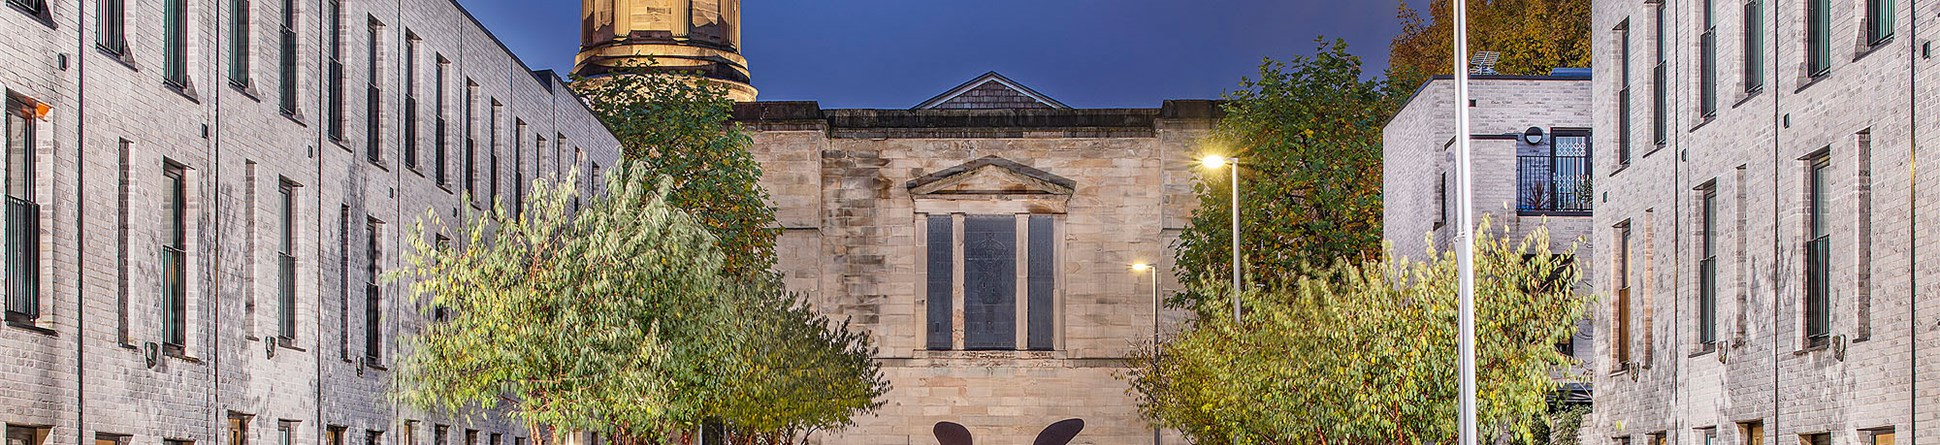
[1520,187]
[92,367]
[1873,376]
[864,194]
[699,37]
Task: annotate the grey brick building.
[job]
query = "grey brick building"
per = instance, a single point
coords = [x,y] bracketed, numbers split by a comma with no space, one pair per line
[1765,269]
[201,194]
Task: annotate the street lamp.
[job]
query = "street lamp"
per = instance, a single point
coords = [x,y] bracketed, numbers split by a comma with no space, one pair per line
[1214,162]
[1142,268]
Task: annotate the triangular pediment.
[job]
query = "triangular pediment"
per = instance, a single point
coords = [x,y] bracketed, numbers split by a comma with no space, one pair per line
[991,176]
[991,91]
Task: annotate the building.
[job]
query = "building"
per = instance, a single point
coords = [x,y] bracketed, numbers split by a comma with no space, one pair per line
[1766,275]
[202,195]
[984,240]
[700,37]
[1531,141]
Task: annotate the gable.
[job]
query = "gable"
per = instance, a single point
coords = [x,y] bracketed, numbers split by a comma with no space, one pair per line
[991,91]
[991,175]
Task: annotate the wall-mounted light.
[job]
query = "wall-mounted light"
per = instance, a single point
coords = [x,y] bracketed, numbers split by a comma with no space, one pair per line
[1534,136]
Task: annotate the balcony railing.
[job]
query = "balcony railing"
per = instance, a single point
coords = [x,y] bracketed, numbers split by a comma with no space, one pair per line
[286,296]
[23,259]
[175,299]
[1553,185]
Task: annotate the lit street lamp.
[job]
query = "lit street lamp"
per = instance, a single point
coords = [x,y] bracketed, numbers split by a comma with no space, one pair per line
[1214,162]
[1143,267]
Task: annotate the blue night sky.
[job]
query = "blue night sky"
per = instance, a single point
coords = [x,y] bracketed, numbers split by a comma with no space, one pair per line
[1086,53]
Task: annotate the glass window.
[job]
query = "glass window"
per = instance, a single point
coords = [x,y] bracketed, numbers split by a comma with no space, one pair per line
[175,46]
[334,104]
[1708,76]
[1708,265]
[23,214]
[1818,37]
[286,262]
[1818,298]
[410,100]
[111,27]
[286,59]
[1879,21]
[373,299]
[1622,339]
[1754,36]
[374,98]
[175,257]
[239,42]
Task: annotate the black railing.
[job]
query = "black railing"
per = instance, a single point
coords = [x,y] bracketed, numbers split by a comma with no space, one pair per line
[373,345]
[286,296]
[1558,185]
[23,259]
[1818,283]
[175,299]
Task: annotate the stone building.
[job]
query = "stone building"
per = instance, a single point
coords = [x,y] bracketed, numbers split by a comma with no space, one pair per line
[201,196]
[1765,226]
[686,36]
[984,239]
[1531,141]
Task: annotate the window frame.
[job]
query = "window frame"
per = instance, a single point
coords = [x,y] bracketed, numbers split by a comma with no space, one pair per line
[111,27]
[175,45]
[1880,21]
[374,95]
[1754,45]
[239,43]
[1622,340]
[1708,65]
[287,60]
[23,233]
[1708,265]
[175,258]
[1818,293]
[1818,38]
[287,208]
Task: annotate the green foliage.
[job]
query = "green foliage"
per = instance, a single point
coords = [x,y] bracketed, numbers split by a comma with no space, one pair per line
[1533,37]
[682,129]
[1383,368]
[1308,132]
[800,374]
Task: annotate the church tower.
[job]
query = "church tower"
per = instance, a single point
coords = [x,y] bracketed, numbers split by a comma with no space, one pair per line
[694,36]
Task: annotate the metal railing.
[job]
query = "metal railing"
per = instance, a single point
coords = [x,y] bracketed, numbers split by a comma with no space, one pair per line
[1556,185]
[23,259]
[286,296]
[175,298]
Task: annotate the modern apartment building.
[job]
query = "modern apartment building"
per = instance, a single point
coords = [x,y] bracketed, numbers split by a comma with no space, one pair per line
[203,194]
[1764,230]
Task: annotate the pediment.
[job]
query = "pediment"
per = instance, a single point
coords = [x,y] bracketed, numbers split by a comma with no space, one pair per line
[991,175]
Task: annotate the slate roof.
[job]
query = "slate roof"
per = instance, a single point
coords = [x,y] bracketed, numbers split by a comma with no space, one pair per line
[991,91]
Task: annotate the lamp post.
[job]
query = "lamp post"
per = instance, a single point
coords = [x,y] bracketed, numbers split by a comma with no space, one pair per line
[1465,257]
[1214,162]
[1143,267]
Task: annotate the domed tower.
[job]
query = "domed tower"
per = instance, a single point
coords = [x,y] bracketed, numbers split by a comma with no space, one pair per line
[692,36]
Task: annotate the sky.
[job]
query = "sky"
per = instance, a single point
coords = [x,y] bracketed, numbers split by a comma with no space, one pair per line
[1085,53]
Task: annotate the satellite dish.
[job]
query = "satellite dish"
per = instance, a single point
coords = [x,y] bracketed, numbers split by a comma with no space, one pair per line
[1534,136]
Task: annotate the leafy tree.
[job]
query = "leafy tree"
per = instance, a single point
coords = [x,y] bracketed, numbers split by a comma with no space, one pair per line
[1384,368]
[1533,36]
[1308,132]
[683,129]
[801,373]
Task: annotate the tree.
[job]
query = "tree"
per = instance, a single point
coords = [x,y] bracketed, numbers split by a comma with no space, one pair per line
[682,128]
[801,374]
[1308,132]
[1533,37]
[561,314]
[1383,370]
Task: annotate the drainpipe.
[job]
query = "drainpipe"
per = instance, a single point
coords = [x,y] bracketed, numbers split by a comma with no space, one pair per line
[80,229]
[1913,218]
[1778,129]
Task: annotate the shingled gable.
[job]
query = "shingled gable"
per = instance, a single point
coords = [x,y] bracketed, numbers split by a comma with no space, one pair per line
[991,91]
[991,175]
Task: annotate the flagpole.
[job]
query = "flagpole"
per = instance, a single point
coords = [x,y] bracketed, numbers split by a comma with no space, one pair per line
[1465,257]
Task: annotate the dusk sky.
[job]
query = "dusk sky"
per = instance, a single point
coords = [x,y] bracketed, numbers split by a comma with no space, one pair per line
[1086,53]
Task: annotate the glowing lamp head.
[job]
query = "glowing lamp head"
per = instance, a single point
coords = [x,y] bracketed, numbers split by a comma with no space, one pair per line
[1141,267]
[1213,162]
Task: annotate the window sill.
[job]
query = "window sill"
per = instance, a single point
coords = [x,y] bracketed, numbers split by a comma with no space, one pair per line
[1553,213]
[1813,79]
[1827,346]
[1707,121]
[1872,48]
[1749,95]
[1654,148]
[1621,166]
[186,89]
[294,116]
[247,89]
[30,327]
[176,352]
[45,17]
[123,57]
[1703,350]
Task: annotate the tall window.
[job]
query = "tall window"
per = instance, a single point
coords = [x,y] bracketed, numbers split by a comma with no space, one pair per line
[1879,21]
[988,257]
[36,8]
[111,32]
[333,435]
[285,432]
[238,429]
[374,100]
[239,42]
[438,130]
[1818,280]
[1622,317]
[1878,436]
[1554,178]
[491,149]
[343,282]
[23,215]
[286,59]
[175,43]
[1623,97]
[1818,37]
[1754,36]
[1661,82]
[175,251]
[410,100]
[518,167]
[1751,433]
[440,435]
[333,115]
[1815,439]
[286,262]
[471,142]
[373,300]
[1708,81]
[1708,265]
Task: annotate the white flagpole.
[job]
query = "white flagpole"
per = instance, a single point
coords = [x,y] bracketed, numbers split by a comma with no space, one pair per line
[1465,258]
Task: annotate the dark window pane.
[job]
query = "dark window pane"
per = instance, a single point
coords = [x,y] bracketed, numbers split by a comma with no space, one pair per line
[1043,283]
[941,264]
[990,282]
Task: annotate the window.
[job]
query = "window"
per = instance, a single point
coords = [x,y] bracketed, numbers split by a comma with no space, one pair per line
[112,439]
[374,100]
[1815,439]
[238,428]
[372,437]
[1708,265]
[1661,82]
[239,43]
[494,440]
[1554,178]
[518,168]
[286,60]
[1622,274]
[988,256]
[1754,36]
[1441,200]
[471,437]
[1708,77]
[410,100]
[27,435]
[175,265]
[1818,280]
[1659,438]
[410,433]
[1751,433]
[177,442]
[333,435]
[1818,37]
[23,214]
[1708,436]
[286,432]
[286,262]
[440,434]
[1877,436]
[333,114]
[111,31]
[1623,98]
[175,43]
[471,143]
[1879,21]
[36,8]
[438,131]
[491,154]
[343,282]
[373,299]
[124,177]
